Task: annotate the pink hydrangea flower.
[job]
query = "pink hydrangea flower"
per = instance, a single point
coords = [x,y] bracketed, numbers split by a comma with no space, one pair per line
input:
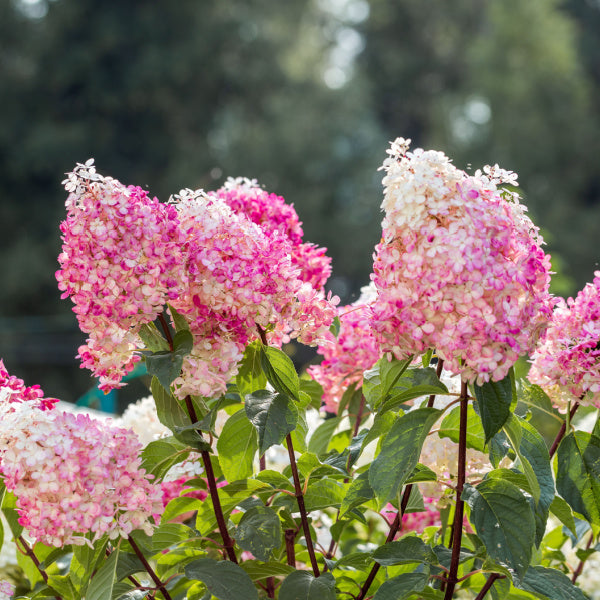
[13,389]
[460,267]
[272,213]
[238,277]
[566,364]
[121,261]
[7,589]
[346,357]
[72,475]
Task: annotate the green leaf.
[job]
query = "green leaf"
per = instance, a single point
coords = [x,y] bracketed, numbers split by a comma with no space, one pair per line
[503,519]
[578,474]
[420,474]
[535,460]
[494,399]
[152,338]
[359,492]
[101,586]
[319,440]
[170,413]
[259,532]
[160,455]
[335,326]
[250,377]
[261,570]
[179,506]
[169,534]
[84,562]
[450,428]
[550,583]
[180,321]
[378,381]
[225,580]
[9,503]
[237,446]
[64,586]
[400,452]
[314,390]
[299,434]
[514,433]
[409,549]
[280,371]
[323,493]
[414,383]
[165,366]
[302,585]
[535,399]
[273,415]
[562,511]
[230,496]
[401,586]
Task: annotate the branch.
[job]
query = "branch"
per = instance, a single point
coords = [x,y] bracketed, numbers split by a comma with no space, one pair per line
[159,584]
[562,430]
[488,584]
[301,507]
[394,528]
[457,525]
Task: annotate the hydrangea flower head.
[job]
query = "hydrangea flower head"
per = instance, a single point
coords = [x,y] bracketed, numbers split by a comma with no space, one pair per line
[272,213]
[347,356]
[121,261]
[238,277]
[73,474]
[460,267]
[13,389]
[7,589]
[566,364]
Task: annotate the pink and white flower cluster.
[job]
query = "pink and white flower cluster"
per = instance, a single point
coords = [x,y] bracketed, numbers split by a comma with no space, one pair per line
[125,256]
[13,390]
[121,261]
[7,589]
[347,356]
[238,277]
[460,267]
[72,475]
[272,213]
[566,364]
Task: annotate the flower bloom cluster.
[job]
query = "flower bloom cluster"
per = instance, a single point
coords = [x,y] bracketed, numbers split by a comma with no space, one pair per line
[238,278]
[566,364]
[272,213]
[460,267]
[348,355]
[13,389]
[7,589]
[121,261]
[72,474]
[226,270]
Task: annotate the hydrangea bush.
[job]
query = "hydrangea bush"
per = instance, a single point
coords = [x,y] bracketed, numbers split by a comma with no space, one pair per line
[408,462]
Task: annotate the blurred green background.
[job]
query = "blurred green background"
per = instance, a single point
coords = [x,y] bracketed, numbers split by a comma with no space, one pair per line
[302,95]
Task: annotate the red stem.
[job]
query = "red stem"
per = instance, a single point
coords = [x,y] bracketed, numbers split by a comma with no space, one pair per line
[457,526]
[290,537]
[167,331]
[159,584]
[394,528]
[301,507]
[438,371]
[579,568]
[488,584]
[562,430]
